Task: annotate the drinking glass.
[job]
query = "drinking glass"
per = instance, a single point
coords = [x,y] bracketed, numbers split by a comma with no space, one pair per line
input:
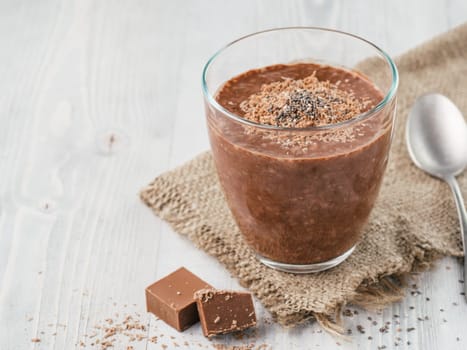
[301,196]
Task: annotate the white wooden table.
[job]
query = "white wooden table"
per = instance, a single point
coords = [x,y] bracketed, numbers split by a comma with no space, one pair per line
[98,97]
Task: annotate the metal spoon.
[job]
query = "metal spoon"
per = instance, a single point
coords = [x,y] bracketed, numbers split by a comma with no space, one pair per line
[436,137]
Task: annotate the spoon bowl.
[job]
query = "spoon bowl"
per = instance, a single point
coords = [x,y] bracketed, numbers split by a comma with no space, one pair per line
[437,136]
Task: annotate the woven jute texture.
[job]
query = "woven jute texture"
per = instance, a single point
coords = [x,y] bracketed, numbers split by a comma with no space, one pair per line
[414,221]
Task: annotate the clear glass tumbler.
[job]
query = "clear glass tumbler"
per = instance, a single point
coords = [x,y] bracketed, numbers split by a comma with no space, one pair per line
[301,196]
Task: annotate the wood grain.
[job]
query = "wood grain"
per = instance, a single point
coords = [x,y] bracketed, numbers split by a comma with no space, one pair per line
[98,97]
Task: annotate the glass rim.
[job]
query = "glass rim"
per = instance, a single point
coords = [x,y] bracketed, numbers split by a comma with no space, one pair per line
[362,116]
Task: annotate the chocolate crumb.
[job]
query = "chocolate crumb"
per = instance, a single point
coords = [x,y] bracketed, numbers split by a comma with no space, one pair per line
[410,329]
[35,340]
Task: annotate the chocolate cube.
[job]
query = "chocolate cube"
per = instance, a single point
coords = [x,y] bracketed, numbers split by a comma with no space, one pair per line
[172,298]
[223,311]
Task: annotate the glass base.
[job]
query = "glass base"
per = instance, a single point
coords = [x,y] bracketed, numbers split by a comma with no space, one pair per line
[307,268]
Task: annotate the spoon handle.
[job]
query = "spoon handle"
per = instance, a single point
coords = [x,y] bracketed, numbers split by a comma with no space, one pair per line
[463,221]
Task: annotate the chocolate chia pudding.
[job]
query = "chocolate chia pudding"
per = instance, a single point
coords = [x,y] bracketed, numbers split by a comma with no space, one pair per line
[302,168]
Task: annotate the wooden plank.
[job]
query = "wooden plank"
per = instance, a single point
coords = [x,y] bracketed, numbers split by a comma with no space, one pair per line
[98,98]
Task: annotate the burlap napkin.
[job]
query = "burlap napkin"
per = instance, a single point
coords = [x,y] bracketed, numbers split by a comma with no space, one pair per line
[413,223]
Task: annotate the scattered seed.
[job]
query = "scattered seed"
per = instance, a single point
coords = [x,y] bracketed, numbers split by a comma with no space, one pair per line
[347,313]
